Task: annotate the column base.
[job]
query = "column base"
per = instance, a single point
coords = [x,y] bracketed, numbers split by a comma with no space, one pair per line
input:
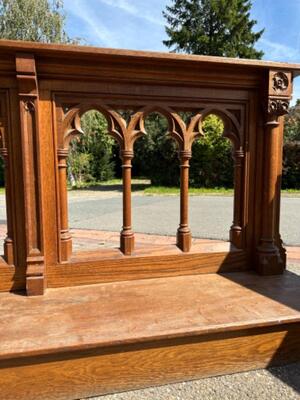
[236,236]
[35,285]
[269,260]
[184,241]
[282,251]
[35,279]
[65,249]
[9,251]
[127,243]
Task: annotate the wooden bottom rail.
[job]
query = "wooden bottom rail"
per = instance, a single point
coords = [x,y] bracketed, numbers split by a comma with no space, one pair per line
[110,265]
[91,340]
[158,261]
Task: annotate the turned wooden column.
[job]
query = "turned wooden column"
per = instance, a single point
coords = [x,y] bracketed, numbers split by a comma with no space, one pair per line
[236,230]
[127,235]
[269,259]
[31,173]
[65,236]
[184,236]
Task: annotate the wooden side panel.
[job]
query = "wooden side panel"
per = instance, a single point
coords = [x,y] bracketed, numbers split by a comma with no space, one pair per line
[31,159]
[80,375]
[48,176]
[114,269]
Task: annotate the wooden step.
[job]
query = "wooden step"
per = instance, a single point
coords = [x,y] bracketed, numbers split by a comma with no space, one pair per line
[84,341]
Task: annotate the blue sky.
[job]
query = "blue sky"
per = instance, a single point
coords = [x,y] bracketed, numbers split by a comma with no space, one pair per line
[139,25]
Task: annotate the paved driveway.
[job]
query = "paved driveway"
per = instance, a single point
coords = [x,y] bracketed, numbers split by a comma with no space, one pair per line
[210,216]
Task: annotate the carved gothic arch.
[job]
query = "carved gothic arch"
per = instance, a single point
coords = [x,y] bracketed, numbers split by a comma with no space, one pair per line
[232,127]
[184,134]
[124,133]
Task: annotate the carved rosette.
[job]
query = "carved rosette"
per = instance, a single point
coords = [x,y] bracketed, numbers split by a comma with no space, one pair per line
[279,93]
[280,82]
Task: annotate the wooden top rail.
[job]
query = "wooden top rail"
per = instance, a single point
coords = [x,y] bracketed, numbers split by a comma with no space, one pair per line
[94,53]
[44,91]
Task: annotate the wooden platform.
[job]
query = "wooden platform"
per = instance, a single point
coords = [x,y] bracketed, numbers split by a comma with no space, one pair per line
[82,341]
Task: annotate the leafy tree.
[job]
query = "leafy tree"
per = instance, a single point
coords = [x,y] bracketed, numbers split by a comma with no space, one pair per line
[34,20]
[291,165]
[209,27]
[211,164]
[212,27]
[156,154]
[43,21]
[291,149]
[91,157]
[292,124]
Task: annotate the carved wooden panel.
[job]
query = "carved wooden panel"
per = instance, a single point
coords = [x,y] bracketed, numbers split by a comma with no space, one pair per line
[28,109]
[61,83]
[126,133]
[269,256]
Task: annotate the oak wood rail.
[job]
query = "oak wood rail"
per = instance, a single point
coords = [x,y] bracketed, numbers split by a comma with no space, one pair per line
[45,90]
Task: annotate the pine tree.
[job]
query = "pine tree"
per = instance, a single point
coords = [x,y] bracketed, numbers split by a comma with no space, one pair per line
[212,27]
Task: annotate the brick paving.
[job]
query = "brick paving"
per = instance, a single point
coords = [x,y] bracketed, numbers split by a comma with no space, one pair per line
[89,239]
[85,239]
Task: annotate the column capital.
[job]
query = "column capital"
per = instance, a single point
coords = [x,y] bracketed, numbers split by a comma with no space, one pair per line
[126,154]
[279,94]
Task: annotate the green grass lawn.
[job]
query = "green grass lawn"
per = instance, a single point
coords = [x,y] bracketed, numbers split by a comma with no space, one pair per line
[144,186]
[162,190]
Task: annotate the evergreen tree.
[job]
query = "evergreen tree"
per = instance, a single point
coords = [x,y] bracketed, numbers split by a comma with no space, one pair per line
[212,27]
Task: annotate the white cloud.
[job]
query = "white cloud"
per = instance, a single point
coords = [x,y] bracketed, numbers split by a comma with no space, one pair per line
[131,9]
[96,29]
[296,91]
[278,51]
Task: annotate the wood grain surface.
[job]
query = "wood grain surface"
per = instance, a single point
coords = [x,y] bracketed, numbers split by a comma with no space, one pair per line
[106,338]
[145,310]
[44,91]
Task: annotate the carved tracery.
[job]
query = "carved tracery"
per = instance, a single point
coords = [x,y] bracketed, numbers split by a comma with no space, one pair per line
[234,132]
[126,133]
[184,134]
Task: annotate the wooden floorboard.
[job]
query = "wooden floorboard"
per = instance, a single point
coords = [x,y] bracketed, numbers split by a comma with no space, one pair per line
[85,341]
[146,310]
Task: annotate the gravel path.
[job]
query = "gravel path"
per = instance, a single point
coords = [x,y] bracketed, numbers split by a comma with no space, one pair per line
[210,216]
[273,384]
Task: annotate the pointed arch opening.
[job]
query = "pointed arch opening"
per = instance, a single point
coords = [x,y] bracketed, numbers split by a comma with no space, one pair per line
[93,187]
[155,159]
[217,165]
[88,150]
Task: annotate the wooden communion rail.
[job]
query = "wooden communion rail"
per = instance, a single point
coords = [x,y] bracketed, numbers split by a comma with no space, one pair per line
[127,330]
